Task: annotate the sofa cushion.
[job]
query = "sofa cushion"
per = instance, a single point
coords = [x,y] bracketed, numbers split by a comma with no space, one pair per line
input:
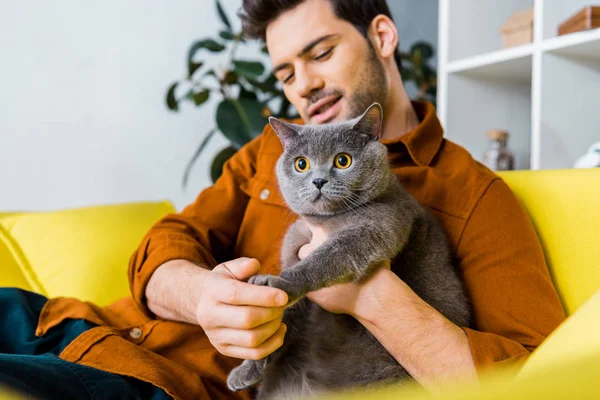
[80,253]
[575,339]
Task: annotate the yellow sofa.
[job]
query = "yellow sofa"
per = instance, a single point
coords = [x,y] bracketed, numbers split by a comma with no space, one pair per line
[84,252]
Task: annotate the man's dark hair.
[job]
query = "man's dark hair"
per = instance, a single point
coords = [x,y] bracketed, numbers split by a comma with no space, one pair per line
[256,15]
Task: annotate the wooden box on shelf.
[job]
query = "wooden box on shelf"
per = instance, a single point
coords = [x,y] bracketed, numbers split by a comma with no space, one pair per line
[588,18]
[518,29]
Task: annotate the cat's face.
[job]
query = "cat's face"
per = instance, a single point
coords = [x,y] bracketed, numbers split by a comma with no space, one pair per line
[330,169]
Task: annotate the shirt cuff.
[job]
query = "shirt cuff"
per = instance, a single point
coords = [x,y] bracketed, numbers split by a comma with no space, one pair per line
[148,258]
[492,351]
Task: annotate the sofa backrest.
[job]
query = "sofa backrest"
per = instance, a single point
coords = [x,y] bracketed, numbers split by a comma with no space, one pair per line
[564,206]
[80,253]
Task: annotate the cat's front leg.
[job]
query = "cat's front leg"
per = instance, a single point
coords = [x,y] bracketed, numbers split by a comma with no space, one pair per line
[346,257]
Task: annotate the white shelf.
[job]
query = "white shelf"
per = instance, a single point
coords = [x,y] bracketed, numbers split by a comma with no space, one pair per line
[580,44]
[544,93]
[514,63]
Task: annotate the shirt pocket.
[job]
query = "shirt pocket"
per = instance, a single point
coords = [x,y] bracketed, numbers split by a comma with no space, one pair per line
[266,220]
[264,191]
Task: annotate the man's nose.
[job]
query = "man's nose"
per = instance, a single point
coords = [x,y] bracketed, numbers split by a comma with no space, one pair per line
[319,183]
[307,82]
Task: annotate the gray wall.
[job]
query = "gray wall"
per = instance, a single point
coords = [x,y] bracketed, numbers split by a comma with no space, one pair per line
[416,20]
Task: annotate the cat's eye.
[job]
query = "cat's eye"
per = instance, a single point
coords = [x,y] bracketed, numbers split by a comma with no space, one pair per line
[302,164]
[343,161]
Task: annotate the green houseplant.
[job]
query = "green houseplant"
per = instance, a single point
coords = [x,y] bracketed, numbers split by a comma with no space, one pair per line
[248,94]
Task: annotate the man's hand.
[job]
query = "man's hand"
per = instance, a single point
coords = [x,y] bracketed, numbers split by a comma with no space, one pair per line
[433,349]
[241,320]
[343,298]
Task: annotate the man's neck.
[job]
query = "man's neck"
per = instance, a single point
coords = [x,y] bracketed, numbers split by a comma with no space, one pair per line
[399,116]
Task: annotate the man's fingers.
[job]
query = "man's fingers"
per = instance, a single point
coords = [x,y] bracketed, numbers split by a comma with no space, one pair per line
[244,294]
[244,317]
[240,268]
[250,338]
[268,347]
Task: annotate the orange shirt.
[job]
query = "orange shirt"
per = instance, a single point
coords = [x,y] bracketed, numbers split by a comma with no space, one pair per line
[243,214]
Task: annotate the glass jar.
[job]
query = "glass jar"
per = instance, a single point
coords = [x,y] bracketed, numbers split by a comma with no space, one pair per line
[497,156]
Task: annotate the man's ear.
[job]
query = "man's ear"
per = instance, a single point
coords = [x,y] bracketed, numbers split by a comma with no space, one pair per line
[371,122]
[286,132]
[384,36]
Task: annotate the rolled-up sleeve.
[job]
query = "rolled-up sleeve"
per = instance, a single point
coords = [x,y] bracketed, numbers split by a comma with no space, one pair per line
[204,232]
[514,301]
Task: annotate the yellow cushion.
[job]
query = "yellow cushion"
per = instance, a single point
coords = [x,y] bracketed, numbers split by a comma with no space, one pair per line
[575,338]
[79,253]
[572,380]
[563,205]
[12,275]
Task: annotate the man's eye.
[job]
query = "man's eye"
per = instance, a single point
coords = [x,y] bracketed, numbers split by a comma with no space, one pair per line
[288,78]
[324,55]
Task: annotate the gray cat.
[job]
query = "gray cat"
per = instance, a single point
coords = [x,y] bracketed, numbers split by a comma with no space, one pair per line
[336,177]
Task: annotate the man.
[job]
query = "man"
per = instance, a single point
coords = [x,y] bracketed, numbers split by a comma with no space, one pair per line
[334,58]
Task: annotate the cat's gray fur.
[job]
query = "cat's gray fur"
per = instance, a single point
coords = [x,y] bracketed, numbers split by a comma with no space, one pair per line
[370,218]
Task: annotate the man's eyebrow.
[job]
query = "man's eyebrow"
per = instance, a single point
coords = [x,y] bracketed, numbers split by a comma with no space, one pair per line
[306,49]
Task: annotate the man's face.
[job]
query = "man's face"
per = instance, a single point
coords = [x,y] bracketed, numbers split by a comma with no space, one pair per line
[328,69]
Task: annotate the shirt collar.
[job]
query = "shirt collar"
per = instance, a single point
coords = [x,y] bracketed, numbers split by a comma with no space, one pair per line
[424,142]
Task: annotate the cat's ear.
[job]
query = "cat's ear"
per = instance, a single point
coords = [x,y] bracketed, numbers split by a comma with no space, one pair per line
[285,131]
[371,122]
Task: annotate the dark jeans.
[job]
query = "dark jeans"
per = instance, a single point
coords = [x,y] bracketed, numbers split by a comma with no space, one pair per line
[30,364]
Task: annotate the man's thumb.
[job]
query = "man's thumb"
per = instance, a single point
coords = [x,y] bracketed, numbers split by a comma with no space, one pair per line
[241,268]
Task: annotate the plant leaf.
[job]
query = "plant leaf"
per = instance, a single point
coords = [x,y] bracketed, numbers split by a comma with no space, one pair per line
[240,120]
[171,100]
[193,67]
[216,169]
[428,73]
[227,35]
[188,168]
[249,69]
[408,75]
[230,78]
[425,50]
[222,14]
[211,73]
[264,86]
[247,94]
[208,44]
[201,97]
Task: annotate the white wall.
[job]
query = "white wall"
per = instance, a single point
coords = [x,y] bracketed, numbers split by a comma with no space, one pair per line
[82,113]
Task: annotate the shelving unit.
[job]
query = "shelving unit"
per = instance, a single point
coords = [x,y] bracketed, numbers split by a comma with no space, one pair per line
[546,93]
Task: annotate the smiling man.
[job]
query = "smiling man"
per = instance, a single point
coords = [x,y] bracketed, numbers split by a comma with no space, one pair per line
[192,316]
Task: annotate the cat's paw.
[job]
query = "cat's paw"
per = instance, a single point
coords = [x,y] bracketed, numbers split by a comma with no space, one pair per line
[269,280]
[247,375]
[275,282]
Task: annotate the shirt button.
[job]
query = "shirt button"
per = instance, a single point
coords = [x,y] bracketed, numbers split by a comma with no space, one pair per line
[265,194]
[135,333]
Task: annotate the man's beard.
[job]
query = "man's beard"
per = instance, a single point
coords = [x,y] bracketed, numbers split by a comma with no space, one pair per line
[371,87]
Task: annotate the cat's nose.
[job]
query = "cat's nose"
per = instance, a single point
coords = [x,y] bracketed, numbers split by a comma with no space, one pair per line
[319,183]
